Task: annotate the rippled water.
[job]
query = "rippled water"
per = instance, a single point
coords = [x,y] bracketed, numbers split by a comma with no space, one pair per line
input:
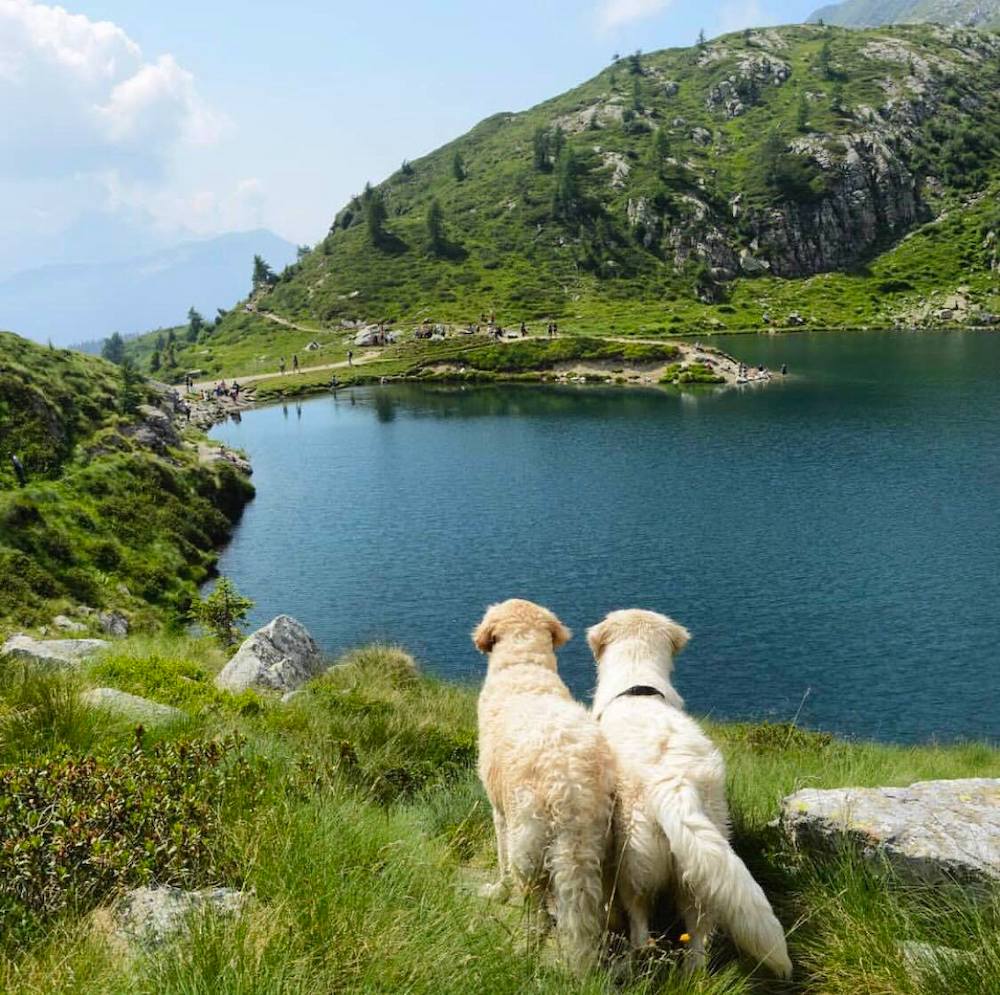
[831,540]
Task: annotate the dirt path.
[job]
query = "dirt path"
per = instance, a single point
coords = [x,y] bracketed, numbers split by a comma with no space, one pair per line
[368,357]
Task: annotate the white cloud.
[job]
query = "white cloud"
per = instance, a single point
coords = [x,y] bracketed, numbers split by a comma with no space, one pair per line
[195,209]
[78,96]
[615,13]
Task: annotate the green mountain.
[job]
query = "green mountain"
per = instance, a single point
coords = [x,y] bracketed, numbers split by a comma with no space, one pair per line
[118,509]
[874,13]
[803,175]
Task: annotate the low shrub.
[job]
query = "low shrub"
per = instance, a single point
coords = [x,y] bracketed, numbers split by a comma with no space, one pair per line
[74,831]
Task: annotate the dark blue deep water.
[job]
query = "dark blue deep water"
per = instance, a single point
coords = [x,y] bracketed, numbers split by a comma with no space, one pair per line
[831,540]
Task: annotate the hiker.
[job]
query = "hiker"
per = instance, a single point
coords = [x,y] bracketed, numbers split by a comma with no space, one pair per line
[22,477]
[524,330]
[555,329]
[295,362]
[784,369]
[350,357]
[187,411]
[281,366]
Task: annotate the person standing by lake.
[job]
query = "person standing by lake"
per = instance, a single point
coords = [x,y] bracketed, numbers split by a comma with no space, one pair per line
[281,366]
[350,357]
[295,362]
[19,471]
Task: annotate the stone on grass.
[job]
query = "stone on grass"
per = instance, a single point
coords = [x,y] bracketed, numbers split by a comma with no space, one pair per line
[67,624]
[148,917]
[930,832]
[131,706]
[114,623]
[282,656]
[51,652]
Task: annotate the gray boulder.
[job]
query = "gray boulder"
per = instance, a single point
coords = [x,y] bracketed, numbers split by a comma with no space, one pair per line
[67,624]
[52,652]
[930,832]
[147,917]
[131,706]
[114,623]
[280,657]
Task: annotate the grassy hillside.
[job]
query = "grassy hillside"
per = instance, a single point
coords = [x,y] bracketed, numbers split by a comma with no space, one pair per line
[872,13]
[768,178]
[355,817]
[112,515]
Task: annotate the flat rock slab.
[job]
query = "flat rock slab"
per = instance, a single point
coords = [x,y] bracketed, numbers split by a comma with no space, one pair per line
[131,706]
[932,831]
[282,656]
[52,652]
[148,917]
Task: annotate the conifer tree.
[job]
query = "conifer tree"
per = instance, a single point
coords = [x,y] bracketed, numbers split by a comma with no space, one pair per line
[195,324]
[113,349]
[458,166]
[435,227]
[375,216]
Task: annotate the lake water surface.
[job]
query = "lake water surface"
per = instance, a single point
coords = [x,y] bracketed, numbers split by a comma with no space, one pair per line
[831,540]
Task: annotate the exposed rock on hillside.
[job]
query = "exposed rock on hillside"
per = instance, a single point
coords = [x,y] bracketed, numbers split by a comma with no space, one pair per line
[52,652]
[930,831]
[130,706]
[279,657]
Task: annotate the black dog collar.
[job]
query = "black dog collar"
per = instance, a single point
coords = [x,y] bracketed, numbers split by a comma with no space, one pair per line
[638,691]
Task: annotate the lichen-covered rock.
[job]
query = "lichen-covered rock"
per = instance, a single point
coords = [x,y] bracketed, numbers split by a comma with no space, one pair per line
[931,831]
[67,624]
[147,917]
[279,657]
[51,652]
[130,706]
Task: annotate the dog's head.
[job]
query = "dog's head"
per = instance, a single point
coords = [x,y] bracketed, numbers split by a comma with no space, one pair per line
[517,617]
[661,634]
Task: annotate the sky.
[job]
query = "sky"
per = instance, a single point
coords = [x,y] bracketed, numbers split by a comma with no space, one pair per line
[127,125]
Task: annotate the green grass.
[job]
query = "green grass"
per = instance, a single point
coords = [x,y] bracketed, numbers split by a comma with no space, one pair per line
[362,831]
[103,522]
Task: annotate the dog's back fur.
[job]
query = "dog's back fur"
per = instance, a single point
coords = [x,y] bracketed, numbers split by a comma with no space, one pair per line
[671,819]
[548,773]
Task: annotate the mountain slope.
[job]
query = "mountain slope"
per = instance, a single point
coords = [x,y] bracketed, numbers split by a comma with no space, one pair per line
[74,302]
[874,13]
[116,511]
[693,188]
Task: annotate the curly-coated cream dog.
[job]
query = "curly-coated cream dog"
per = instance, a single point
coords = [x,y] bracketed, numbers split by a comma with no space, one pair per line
[671,818]
[548,773]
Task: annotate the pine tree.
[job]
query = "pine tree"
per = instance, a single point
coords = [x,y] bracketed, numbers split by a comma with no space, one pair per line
[223,612]
[660,149]
[129,395]
[435,227]
[195,324]
[375,216]
[701,38]
[458,167]
[635,62]
[802,114]
[154,361]
[825,56]
[637,105]
[263,275]
[113,349]
[566,197]
[540,149]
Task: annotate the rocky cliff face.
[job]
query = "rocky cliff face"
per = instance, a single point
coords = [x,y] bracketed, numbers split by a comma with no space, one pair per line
[873,13]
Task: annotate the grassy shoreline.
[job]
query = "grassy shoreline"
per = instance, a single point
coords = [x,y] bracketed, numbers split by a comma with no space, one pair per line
[354,815]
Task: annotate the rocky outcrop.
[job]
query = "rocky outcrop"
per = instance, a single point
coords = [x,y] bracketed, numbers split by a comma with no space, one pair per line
[155,429]
[145,918]
[51,652]
[741,90]
[279,657]
[931,831]
[871,196]
[130,706]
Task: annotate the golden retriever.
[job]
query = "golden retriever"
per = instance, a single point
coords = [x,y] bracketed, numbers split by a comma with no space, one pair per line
[549,776]
[671,818]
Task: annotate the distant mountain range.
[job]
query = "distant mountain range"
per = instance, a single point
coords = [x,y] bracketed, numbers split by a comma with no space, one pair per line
[72,303]
[874,13]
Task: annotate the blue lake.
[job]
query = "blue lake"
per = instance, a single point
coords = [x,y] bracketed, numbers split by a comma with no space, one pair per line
[831,540]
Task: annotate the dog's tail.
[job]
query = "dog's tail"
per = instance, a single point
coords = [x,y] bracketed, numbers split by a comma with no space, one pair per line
[717,877]
[576,879]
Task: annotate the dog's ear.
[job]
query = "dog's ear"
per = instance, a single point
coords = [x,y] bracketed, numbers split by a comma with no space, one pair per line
[597,639]
[678,635]
[560,634]
[484,634]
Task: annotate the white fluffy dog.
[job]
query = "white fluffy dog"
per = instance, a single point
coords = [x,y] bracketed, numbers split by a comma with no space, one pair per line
[548,773]
[671,818]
